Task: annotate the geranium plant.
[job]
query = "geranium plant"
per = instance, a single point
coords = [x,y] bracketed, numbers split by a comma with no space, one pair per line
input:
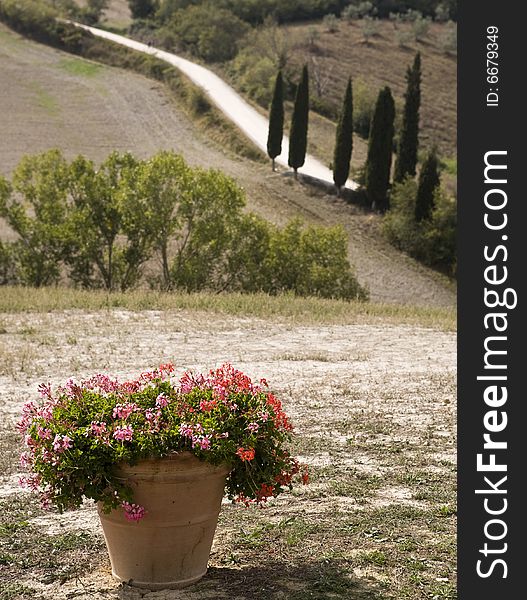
[76,435]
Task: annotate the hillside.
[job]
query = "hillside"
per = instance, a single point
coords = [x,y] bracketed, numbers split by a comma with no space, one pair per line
[382,61]
[56,100]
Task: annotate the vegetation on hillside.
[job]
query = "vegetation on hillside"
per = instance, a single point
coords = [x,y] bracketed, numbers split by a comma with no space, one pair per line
[99,226]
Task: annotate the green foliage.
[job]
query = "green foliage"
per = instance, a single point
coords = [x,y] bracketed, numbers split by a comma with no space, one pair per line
[92,12]
[358,10]
[8,271]
[406,160]
[254,75]
[276,120]
[299,124]
[142,9]
[344,140]
[426,187]
[99,226]
[112,237]
[363,107]
[432,240]
[448,39]
[379,159]
[311,262]
[37,213]
[208,32]
[369,27]
[209,209]
[421,27]
[256,11]
[330,23]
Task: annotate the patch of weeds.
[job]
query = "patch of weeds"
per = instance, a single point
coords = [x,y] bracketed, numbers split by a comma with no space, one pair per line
[15,591]
[50,558]
[289,531]
[356,485]
[407,545]
[446,510]
[375,557]
[27,330]
[77,66]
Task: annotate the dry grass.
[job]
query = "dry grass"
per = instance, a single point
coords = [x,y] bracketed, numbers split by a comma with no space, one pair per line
[374,410]
[382,62]
[288,307]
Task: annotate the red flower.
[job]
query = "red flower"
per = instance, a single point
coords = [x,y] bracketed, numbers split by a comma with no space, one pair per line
[245,454]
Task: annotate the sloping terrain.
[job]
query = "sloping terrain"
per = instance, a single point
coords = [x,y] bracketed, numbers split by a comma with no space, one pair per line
[51,99]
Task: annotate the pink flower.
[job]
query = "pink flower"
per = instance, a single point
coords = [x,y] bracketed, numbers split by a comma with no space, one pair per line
[123,411]
[123,433]
[44,433]
[203,441]
[253,427]
[61,443]
[26,459]
[162,400]
[185,430]
[133,512]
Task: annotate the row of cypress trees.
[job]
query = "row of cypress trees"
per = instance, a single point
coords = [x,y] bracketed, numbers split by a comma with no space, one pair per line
[380,144]
[299,127]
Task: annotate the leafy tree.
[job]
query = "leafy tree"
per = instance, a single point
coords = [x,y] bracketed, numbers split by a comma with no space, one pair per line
[209,32]
[379,159]
[111,240]
[276,120]
[142,9]
[155,192]
[208,215]
[299,124]
[428,183]
[38,212]
[406,160]
[344,141]
[93,11]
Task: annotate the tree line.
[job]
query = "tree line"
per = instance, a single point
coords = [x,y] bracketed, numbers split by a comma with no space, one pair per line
[415,220]
[158,222]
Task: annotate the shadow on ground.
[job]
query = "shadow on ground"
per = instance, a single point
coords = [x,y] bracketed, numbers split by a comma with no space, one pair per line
[318,580]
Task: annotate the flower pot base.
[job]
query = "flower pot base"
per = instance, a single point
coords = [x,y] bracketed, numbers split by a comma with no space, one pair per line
[164,585]
[169,547]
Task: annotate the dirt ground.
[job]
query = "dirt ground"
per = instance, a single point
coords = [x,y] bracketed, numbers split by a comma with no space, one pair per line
[374,410]
[51,99]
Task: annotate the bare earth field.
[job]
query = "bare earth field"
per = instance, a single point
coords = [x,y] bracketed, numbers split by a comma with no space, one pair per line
[51,99]
[374,409]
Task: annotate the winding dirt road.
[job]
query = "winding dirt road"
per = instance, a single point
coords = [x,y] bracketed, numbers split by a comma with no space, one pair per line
[233,106]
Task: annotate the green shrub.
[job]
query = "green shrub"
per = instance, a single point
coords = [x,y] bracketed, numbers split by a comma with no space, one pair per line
[98,226]
[432,241]
[8,269]
[208,32]
[311,262]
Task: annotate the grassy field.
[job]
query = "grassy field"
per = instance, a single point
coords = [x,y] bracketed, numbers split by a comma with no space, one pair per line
[372,398]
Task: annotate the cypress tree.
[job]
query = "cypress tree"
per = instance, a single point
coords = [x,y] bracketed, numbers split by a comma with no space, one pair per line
[426,187]
[343,141]
[299,124]
[276,120]
[379,160]
[406,160]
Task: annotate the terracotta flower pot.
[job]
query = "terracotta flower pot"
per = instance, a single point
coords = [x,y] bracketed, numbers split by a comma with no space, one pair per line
[170,546]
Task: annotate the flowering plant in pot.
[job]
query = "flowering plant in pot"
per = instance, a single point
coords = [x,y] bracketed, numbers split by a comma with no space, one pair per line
[114,442]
